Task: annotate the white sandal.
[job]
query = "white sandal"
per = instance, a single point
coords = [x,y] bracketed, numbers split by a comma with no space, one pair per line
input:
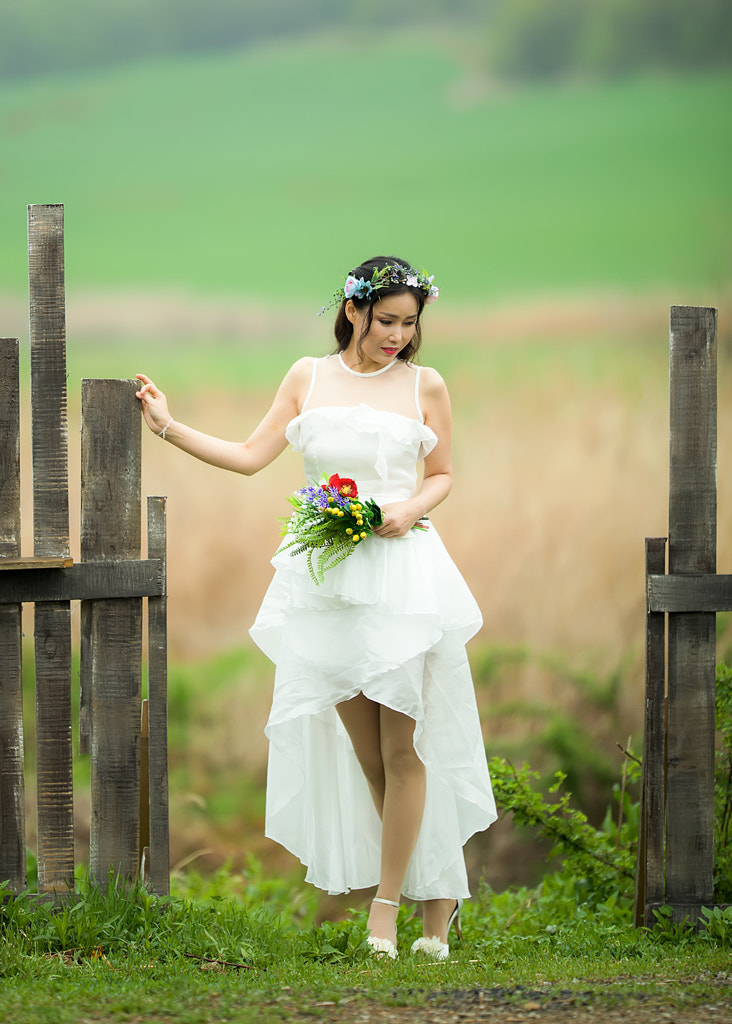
[435,948]
[383,946]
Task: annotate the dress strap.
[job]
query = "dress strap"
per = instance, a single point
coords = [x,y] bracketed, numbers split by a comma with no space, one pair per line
[416,393]
[312,385]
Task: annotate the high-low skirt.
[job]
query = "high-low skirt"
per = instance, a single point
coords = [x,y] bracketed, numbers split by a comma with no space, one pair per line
[391,622]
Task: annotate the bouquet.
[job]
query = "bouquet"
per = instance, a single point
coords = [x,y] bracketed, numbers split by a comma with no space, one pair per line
[329,522]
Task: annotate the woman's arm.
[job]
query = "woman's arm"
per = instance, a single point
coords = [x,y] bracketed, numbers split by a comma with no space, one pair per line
[400,517]
[262,447]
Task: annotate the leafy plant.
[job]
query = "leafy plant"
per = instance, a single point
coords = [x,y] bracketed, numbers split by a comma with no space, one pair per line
[666,929]
[601,861]
[333,941]
[717,923]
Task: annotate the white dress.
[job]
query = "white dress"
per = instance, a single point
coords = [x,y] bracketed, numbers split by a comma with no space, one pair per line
[391,622]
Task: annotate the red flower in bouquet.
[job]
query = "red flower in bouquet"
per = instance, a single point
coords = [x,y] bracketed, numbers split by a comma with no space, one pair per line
[344,485]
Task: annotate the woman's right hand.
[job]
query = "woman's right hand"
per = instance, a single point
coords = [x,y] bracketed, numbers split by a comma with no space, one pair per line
[154,404]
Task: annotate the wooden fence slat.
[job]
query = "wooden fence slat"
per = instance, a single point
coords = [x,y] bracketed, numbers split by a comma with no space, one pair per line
[112,652]
[36,562]
[691,637]
[48,380]
[85,580]
[143,850]
[158,705]
[693,593]
[12,782]
[650,875]
[51,537]
[53,747]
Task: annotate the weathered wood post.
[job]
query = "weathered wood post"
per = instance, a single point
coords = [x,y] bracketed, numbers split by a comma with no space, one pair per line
[52,629]
[12,782]
[111,463]
[676,848]
[692,548]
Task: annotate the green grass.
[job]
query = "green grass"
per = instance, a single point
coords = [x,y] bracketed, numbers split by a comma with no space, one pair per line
[268,172]
[242,948]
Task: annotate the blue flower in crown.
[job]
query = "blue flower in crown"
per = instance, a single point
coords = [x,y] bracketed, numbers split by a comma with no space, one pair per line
[357,286]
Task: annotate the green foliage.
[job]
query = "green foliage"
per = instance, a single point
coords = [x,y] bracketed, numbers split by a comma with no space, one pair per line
[527,38]
[665,929]
[599,862]
[540,39]
[718,925]
[251,888]
[334,941]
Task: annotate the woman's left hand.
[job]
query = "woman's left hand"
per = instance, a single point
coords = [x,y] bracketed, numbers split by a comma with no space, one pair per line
[398,519]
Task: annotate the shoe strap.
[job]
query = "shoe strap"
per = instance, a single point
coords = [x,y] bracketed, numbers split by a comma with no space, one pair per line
[389,903]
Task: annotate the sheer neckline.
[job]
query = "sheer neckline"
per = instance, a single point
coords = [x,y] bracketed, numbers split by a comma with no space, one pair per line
[362,405]
[373,373]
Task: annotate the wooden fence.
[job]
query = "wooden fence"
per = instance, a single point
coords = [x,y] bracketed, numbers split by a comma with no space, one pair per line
[675,860]
[110,581]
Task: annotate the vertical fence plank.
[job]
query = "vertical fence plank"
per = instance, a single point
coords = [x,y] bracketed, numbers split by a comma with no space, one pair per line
[650,874]
[12,784]
[110,528]
[51,537]
[158,705]
[691,637]
[48,379]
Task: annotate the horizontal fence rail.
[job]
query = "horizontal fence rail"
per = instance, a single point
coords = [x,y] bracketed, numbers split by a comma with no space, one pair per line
[84,581]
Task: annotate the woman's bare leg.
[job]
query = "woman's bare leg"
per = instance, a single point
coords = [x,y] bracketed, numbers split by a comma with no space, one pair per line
[435,915]
[383,741]
[361,717]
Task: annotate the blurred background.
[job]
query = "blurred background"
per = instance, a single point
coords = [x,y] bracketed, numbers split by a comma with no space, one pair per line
[561,166]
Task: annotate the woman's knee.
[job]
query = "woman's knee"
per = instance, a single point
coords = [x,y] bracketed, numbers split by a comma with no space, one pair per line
[401,760]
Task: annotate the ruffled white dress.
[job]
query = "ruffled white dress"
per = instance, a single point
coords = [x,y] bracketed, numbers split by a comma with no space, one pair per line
[391,622]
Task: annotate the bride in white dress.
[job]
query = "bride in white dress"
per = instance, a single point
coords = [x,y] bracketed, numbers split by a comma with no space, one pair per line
[377,771]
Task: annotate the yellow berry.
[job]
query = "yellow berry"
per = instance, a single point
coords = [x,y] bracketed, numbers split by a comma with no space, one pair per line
[355,538]
[349,530]
[364,536]
[340,512]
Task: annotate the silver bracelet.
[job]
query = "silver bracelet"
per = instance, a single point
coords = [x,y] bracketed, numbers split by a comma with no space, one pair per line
[162,432]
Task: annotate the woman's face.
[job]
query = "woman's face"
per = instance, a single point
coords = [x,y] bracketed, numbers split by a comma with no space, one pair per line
[392,327]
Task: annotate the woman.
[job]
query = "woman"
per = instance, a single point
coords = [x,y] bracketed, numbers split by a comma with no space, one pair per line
[377,771]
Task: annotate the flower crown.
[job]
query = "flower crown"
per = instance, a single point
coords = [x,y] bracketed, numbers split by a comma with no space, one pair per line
[360,288]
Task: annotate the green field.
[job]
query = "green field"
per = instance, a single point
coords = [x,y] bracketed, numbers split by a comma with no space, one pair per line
[267,173]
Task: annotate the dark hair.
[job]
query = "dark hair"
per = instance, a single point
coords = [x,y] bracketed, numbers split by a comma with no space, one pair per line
[343,328]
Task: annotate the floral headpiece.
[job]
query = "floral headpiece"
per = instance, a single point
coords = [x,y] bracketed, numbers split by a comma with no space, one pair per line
[360,288]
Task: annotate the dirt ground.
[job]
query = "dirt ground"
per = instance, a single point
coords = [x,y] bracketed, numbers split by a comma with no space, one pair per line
[496,1006]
